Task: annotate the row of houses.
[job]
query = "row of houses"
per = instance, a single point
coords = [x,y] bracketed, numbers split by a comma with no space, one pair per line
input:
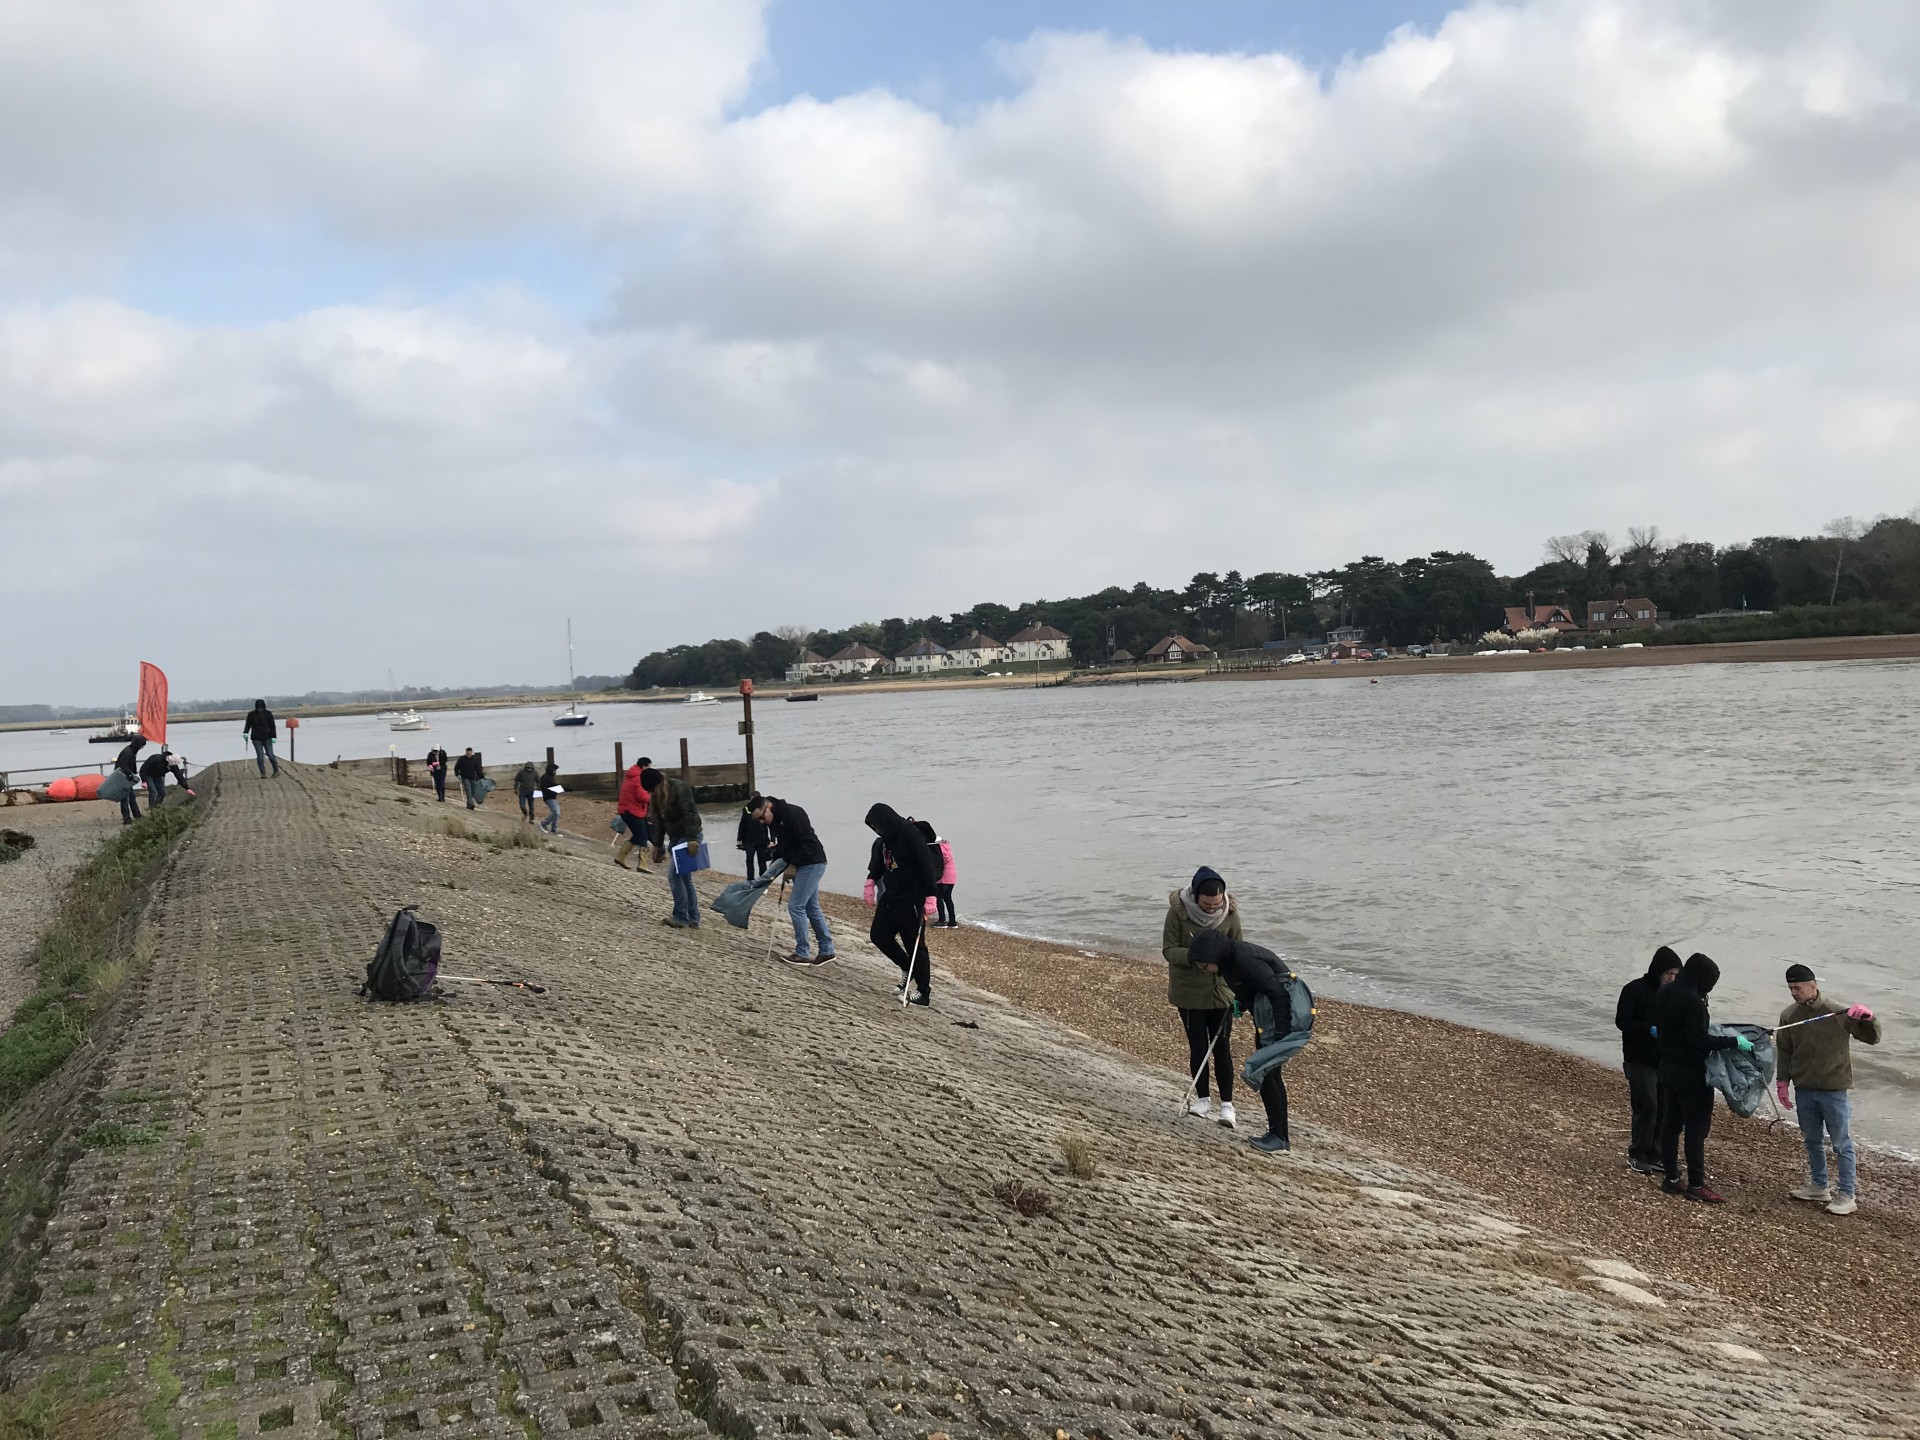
[1037,644]
[1620,612]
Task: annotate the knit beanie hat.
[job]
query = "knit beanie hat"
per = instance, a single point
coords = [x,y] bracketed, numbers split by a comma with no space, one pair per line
[1798,975]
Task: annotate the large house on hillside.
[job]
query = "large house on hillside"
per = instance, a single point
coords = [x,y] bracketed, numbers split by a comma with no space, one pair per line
[1040,643]
[921,658]
[808,665]
[1176,649]
[976,652]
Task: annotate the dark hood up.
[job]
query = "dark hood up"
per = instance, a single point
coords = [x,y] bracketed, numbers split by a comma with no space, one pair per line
[1701,973]
[914,873]
[1204,875]
[1250,970]
[1664,959]
[1633,1014]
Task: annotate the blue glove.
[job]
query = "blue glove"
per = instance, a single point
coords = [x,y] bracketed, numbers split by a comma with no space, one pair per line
[1654,1031]
[1746,1045]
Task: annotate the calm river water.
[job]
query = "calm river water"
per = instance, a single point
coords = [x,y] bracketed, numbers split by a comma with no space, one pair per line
[1500,850]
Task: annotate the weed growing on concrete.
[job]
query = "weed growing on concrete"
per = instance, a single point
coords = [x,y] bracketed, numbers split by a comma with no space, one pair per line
[112,1135]
[1078,1152]
[1022,1198]
[456,827]
[85,956]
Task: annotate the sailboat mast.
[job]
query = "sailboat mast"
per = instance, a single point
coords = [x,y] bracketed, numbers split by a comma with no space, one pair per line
[571,686]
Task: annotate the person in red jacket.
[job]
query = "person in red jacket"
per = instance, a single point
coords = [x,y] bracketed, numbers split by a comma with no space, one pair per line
[634,804]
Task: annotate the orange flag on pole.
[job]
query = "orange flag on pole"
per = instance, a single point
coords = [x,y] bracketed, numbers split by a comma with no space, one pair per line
[153,703]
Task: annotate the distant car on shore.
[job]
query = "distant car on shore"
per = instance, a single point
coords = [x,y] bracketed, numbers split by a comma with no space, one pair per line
[1297,658]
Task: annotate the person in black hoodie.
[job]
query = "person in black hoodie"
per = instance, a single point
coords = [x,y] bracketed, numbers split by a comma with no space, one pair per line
[753,839]
[794,842]
[127,762]
[1640,1058]
[260,729]
[153,771]
[1679,1027]
[1252,971]
[437,768]
[899,912]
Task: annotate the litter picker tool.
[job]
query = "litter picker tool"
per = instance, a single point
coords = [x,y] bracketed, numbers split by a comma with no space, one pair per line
[512,984]
[1206,1060]
[773,920]
[1809,1021]
[913,959]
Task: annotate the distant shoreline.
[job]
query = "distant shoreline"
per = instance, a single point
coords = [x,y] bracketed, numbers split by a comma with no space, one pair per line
[1748,652]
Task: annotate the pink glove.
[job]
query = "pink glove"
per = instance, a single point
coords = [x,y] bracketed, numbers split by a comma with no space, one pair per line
[1780,1089]
[1859,1012]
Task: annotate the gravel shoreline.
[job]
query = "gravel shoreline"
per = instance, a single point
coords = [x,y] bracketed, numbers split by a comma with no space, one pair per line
[29,886]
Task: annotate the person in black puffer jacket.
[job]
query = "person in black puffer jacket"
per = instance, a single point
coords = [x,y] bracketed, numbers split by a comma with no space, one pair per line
[1252,971]
[899,914]
[1680,1021]
[1640,1058]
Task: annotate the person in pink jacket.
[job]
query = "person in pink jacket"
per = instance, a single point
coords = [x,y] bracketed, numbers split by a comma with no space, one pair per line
[943,892]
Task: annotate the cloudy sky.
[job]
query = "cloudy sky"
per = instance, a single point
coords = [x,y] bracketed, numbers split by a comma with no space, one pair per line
[364,334]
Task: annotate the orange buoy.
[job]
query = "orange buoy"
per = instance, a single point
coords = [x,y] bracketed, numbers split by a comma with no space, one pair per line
[87,787]
[61,789]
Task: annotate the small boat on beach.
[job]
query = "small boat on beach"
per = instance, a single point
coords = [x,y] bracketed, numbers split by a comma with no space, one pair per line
[407,720]
[700,697]
[125,728]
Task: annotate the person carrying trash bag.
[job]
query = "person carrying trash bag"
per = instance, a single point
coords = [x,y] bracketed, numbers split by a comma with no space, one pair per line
[795,843]
[1282,1011]
[1680,1027]
[1204,1002]
[908,876]
[127,764]
[1815,1044]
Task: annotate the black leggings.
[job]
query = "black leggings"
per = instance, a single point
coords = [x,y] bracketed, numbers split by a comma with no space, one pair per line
[1273,1094]
[1685,1105]
[943,901]
[899,934]
[1201,1027]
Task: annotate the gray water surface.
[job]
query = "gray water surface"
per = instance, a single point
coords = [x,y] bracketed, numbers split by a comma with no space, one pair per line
[1501,850]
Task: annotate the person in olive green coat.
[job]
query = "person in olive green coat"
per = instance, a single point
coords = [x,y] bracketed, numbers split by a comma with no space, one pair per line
[1204,1001]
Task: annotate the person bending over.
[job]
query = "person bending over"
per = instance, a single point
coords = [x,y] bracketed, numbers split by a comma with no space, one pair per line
[1202,998]
[908,875]
[1254,973]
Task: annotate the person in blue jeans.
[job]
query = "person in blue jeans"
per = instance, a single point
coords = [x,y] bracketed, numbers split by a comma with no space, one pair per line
[678,814]
[260,729]
[794,841]
[1814,1046]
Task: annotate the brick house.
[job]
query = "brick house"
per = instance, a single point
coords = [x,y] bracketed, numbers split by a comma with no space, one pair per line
[1530,616]
[1622,612]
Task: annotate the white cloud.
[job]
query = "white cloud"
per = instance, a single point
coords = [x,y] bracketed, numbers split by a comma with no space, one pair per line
[1572,263]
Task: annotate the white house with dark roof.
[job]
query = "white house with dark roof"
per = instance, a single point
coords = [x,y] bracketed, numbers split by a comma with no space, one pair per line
[1040,643]
[977,652]
[923,657]
[808,665]
[856,659]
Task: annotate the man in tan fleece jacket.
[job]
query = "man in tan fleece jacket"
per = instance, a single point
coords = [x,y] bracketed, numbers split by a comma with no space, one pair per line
[1815,1049]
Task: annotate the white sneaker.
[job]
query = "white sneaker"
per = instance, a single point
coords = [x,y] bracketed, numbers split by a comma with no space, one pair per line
[1816,1194]
[1843,1204]
[1200,1106]
[1226,1113]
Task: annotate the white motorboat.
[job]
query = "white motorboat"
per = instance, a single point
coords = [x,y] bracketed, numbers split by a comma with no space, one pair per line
[407,720]
[700,697]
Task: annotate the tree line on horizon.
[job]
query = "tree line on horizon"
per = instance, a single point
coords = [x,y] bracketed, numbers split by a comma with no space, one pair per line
[1854,578]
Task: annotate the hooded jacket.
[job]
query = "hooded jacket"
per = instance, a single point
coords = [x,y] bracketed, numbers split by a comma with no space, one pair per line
[793,838]
[1633,1015]
[436,759]
[1680,1015]
[1187,987]
[127,762]
[634,798]
[258,726]
[526,779]
[949,872]
[914,871]
[1280,1004]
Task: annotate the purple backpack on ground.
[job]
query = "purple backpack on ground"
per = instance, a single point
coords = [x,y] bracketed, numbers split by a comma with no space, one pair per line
[404,966]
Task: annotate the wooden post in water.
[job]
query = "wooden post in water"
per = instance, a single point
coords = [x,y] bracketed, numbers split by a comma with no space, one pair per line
[746,729]
[549,754]
[686,769]
[619,762]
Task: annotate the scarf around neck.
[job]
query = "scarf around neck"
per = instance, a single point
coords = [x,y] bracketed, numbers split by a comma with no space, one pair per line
[1201,917]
